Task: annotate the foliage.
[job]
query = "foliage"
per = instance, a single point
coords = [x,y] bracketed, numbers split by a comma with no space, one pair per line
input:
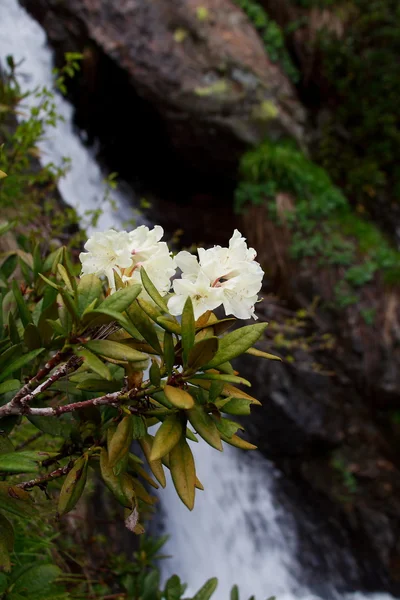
[94,372]
[271,35]
[359,139]
[322,222]
[24,120]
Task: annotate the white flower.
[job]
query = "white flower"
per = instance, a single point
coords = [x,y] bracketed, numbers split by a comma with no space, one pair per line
[204,297]
[228,276]
[126,253]
[160,267]
[106,252]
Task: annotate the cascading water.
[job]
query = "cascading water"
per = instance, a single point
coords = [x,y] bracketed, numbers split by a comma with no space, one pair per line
[236,530]
[83,187]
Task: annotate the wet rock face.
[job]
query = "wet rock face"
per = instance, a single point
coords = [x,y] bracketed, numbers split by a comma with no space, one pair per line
[200,65]
[320,432]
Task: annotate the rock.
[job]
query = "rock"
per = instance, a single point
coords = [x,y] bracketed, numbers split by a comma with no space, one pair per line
[201,66]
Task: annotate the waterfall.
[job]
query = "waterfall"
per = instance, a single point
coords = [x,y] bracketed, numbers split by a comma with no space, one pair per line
[83,186]
[236,531]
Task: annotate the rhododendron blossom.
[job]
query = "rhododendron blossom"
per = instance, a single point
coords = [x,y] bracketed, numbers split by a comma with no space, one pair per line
[228,276]
[219,276]
[125,253]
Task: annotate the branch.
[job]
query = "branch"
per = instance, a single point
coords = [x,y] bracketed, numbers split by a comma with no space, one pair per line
[56,411]
[48,367]
[18,405]
[27,485]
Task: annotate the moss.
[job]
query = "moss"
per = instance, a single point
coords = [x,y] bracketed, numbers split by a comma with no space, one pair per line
[265,111]
[271,35]
[323,224]
[360,141]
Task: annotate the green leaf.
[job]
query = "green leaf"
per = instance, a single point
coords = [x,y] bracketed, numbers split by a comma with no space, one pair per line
[119,445]
[169,324]
[2,174]
[178,397]
[103,386]
[93,362]
[152,291]
[13,329]
[202,353]
[16,501]
[181,464]
[6,533]
[235,406]
[188,329]
[238,442]
[146,444]
[89,290]
[122,299]
[114,482]
[5,563]
[53,284]
[174,588]
[21,462]
[23,310]
[19,363]
[139,428]
[8,355]
[205,426]
[144,325]
[105,315]
[65,277]
[54,426]
[9,265]
[151,311]
[151,585]
[3,583]
[227,427]
[32,337]
[52,260]
[167,436]
[36,580]
[215,390]
[236,343]
[207,590]
[11,385]
[261,354]
[70,304]
[115,350]
[169,352]
[73,486]
[235,593]
[223,377]
[155,373]
[6,446]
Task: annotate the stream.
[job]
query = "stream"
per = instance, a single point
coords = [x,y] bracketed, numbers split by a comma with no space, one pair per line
[238,530]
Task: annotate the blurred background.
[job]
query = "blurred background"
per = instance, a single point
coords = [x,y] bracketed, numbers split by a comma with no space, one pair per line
[280,118]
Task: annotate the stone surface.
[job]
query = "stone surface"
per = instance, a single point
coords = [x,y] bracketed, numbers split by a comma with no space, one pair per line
[202,67]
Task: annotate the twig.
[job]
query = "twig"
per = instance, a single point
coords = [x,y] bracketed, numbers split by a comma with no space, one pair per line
[56,411]
[48,367]
[33,438]
[73,363]
[19,404]
[27,485]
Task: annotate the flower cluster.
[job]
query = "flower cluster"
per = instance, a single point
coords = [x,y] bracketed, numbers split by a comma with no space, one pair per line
[125,253]
[219,276]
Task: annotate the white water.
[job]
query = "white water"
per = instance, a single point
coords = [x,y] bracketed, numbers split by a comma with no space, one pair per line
[236,530]
[83,187]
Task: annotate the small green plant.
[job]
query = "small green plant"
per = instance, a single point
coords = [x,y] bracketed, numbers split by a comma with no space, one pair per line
[271,35]
[347,478]
[322,222]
